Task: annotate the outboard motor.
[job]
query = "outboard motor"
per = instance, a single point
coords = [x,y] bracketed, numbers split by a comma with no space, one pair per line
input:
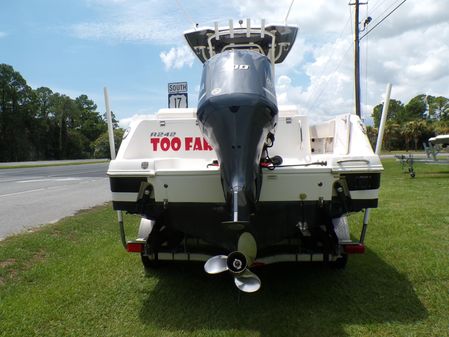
[237,109]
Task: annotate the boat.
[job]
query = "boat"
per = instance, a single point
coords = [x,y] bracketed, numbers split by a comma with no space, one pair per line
[442,140]
[240,181]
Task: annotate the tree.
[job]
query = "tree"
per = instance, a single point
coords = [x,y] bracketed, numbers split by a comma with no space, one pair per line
[416,121]
[41,124]
[417,130]
[65,116]
[114,120]
[416,108]
[441,127]
[42,131]
[438,107]
[16,114]
[407,132]
[101,145]
[91,124]
[392,135]
[372,132]
[396,112]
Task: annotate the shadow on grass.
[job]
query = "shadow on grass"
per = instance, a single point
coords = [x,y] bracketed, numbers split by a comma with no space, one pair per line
[437,175]
[295,300]
[431,170]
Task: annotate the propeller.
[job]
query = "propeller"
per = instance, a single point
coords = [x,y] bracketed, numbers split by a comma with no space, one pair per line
[237,263]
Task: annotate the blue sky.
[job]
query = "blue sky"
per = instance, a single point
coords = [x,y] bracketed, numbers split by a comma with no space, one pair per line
[135,47]
[41,43]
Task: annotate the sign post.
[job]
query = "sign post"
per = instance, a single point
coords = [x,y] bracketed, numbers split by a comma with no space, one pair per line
[177,95]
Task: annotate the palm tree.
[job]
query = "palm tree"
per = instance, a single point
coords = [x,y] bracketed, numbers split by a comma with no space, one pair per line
[415,130]
[372,132]
[392,135]
[407,132]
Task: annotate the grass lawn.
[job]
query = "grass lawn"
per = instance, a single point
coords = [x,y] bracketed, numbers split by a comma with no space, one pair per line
[73,278]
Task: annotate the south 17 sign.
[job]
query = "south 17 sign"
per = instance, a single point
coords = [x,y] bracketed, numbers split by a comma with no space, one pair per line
[177,95]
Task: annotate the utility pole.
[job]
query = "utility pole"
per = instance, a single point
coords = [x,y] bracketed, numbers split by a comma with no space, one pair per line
[357,59]
[357,4]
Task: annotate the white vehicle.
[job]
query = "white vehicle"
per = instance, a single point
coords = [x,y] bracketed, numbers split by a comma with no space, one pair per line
[241,181]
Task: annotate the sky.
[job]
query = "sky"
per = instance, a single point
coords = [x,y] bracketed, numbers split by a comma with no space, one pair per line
[136,47]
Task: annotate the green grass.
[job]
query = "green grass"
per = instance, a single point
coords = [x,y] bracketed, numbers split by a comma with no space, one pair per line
[402,152]
[73,278]
[51,164]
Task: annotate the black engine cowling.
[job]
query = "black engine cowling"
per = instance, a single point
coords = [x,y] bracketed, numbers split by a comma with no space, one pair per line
[237,109]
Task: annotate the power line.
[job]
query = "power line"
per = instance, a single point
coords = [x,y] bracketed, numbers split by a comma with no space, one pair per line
[383,19]
[350,17]
[377,6]
[386,9]
[320,83]
[186,15]
[288,12]
[327,81]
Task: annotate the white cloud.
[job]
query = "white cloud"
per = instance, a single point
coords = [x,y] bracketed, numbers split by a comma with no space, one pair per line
[329,91]
[124,31]
[412,16]
[124,20]
[124,122]
[177,57]
[318,16]
[415,62]
[295,58]
[145,20]
[409,49]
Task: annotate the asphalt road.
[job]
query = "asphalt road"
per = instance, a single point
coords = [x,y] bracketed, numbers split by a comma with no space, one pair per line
[33,196]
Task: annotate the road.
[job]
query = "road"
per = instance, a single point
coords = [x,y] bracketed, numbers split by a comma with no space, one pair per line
[33,196]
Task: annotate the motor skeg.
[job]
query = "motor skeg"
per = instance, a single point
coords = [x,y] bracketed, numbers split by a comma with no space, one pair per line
[237,109]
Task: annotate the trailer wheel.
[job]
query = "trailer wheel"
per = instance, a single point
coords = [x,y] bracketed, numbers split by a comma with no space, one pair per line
[154,241]
[340,263]
[149,263]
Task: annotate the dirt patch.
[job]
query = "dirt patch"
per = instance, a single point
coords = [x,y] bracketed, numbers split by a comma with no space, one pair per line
[37,257]
[7,263]
[91,209]
[56,233]
[71,236]
[12,274]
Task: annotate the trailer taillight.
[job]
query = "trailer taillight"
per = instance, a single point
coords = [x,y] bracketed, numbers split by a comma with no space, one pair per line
[356,248]
[134,247]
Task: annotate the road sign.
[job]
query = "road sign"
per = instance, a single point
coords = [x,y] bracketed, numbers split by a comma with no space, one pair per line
[177,101]
[177,95]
